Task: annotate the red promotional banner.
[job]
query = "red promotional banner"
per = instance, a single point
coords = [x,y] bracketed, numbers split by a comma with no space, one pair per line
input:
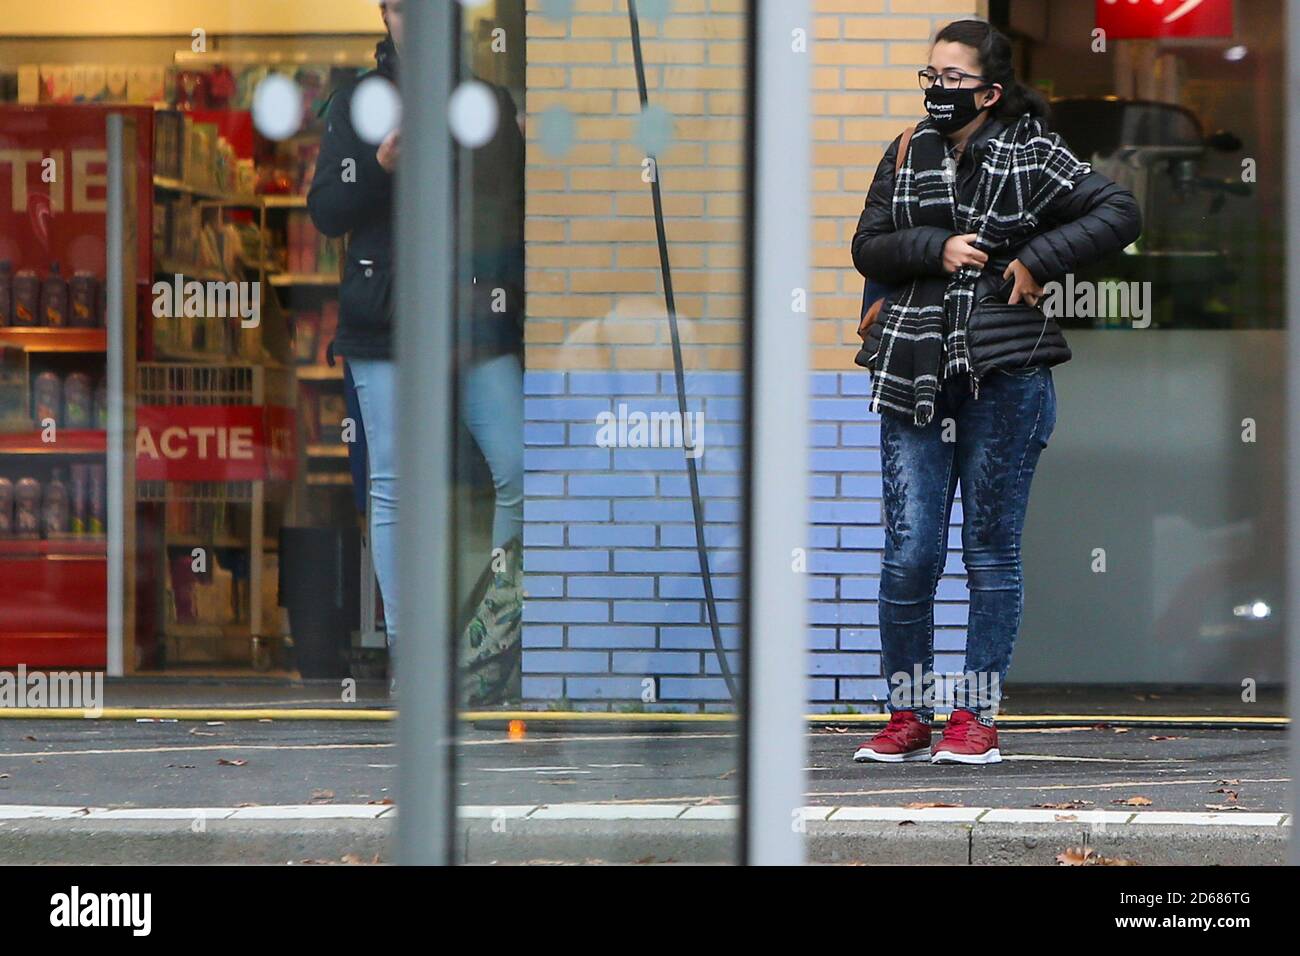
[214,443]
[1134,19]
[54,186]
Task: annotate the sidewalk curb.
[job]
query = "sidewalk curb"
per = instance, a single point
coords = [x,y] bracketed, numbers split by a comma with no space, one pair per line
[640,833]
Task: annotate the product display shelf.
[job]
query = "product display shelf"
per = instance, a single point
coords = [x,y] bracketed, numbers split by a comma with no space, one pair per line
[230,199]
[304,278]
[249,510]
[87,441]
[41,339]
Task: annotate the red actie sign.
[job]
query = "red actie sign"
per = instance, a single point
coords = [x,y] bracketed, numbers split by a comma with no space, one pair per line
[1136,19]
[214,443]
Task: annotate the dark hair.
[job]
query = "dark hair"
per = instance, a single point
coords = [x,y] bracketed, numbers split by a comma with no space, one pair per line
[994,52]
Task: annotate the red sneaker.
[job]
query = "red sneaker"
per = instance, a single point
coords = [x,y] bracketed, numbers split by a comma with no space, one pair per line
[966,740]
[904,738]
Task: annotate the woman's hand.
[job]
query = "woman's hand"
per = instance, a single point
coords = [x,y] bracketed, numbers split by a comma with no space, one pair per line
[389,150]
[1026,286]
[958,252]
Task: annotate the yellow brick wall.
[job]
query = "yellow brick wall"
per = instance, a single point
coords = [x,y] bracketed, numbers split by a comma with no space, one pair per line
[594,293]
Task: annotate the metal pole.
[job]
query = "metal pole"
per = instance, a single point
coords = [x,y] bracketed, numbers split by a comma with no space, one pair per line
[779,407]
[425,297]
[115,386]
[1293,402]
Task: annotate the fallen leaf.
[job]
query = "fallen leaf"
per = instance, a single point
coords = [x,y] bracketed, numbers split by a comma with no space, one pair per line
[180,766]
[1232,794]
[1066,818]
[231,762]
[927,806]
[322,796]
[1164,737]
[1120,730]
[386,801]
[1068,805]
[1087,856]
[201,733]
[1133,802]
[1228,783]
[907,823]
[1076,856]
[728,775]
[1224,806]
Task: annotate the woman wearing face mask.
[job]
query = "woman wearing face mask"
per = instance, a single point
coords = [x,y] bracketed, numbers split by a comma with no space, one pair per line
[985,201]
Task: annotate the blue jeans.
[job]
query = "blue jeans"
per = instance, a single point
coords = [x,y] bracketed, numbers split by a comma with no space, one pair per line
[492,402]
[991,445]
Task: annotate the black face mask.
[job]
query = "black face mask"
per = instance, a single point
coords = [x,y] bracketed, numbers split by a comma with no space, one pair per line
[950,110]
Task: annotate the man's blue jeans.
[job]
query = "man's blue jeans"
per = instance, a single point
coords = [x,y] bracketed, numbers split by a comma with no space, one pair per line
[492,404]
[991,446]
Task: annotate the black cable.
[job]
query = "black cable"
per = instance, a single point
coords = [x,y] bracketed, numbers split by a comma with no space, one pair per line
[696,505]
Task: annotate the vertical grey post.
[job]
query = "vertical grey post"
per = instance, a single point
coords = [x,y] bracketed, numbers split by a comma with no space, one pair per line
[115,463]
[778,517]
[1292,612]
[425,294]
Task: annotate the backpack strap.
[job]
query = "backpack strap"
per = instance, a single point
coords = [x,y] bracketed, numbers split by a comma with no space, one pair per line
[902,149]
[871,304]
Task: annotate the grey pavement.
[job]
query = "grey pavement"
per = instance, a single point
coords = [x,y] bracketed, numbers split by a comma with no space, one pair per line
[688,772]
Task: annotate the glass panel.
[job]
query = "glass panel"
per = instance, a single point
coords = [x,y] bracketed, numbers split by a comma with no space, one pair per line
[200,522]
[600,445]
[1167,459]
[592,618]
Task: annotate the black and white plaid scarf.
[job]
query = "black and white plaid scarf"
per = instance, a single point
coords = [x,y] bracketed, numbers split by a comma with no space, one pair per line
[923,340]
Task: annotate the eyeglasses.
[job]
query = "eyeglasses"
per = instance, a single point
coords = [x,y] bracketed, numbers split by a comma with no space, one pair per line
[951,79]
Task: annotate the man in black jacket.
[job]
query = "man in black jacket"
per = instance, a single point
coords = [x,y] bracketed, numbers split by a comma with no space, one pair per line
[352,195]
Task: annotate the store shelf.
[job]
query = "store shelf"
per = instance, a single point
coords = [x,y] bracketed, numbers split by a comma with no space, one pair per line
[205,193]
[330,479]
[54,340]
[284,202]
[319,373]
[69,442]
[85,546]
[169,268]
[174,540]
[222,631]
[327,451]
[304,278]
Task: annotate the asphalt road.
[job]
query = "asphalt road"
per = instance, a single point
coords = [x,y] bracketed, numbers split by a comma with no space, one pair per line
[194,764]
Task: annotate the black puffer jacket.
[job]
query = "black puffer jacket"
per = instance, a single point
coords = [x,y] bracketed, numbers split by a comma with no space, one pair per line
[1084,225]
[363,210]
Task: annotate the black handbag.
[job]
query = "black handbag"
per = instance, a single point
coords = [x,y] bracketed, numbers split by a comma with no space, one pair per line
[1011,338]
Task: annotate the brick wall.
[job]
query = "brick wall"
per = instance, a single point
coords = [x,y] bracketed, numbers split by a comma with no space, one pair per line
[615,614]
